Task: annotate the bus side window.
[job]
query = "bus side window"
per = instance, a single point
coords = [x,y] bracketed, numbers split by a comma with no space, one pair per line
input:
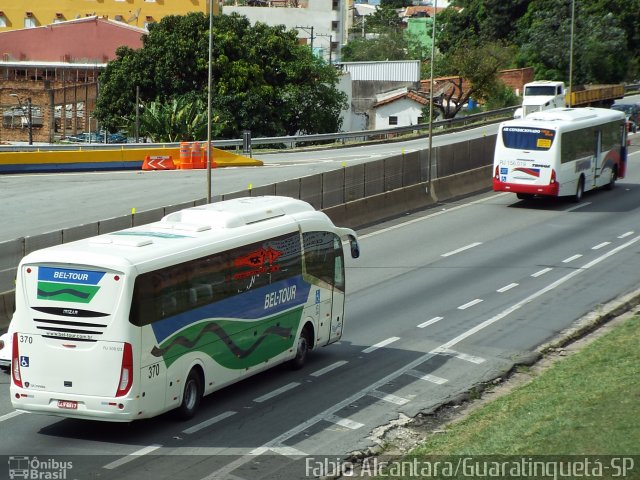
[319,255]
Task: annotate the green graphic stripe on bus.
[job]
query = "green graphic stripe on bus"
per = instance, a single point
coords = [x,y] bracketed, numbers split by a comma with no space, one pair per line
[65,292]
[234,344]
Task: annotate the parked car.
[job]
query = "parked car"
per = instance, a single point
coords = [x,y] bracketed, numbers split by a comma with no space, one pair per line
[5,351]
[116,138]
[85,138]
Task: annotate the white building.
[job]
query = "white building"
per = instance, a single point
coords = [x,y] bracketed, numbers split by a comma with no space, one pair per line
[323,24]
[398,108]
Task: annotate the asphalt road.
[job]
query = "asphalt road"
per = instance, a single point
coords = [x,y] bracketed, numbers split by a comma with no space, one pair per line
[38,203]
[439,301]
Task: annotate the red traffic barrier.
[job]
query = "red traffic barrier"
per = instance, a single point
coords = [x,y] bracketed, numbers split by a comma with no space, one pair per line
[159,162]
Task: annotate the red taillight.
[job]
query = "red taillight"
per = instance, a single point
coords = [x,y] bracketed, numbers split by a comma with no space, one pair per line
[126,371]
[496,174]
[553,177]
[15,362]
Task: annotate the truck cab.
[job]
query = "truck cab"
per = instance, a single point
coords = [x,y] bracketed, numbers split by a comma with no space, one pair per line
[541,95]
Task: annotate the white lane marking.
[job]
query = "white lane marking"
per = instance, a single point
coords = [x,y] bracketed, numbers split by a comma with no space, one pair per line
[345,422]
[429,322]
[328,368]
[470,304]
[131,457]
[542,272]
[625,235]
[427,377]
[388,397]
[461,249]
[600,245]
[283,437]
[571,258]
[209,422]
[459,355]
[507,287]
[535,295]
[285,451]
[381,344]
[276,392]
[583,204]
[7,416]
[288,451]
[431,215]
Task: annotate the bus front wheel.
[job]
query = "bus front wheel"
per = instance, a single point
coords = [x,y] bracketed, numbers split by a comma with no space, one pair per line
[191,396]
[302,349]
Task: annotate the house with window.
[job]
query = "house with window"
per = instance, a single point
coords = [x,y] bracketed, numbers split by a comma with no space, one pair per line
[398,108]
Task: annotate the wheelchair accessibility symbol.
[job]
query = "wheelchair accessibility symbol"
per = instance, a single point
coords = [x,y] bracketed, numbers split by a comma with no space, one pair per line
[24,361]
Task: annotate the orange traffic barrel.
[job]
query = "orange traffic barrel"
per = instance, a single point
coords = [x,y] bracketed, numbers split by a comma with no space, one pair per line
[185,156]
[197,159]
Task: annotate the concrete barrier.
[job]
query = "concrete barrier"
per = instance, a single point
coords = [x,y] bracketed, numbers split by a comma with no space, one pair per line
[90,160]
[390,204]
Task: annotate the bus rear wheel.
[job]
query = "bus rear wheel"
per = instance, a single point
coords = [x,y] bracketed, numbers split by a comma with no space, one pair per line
[191,396]
[579,190]
[612,179]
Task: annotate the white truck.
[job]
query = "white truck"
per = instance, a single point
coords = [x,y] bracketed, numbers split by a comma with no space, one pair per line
[546,94]
[541,95]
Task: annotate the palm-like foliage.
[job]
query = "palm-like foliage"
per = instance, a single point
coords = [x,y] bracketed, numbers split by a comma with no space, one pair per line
[174,121]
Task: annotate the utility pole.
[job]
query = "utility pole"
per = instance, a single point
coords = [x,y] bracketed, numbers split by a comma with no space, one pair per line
[137,113]
[30,121]
[308,29]
[330,42]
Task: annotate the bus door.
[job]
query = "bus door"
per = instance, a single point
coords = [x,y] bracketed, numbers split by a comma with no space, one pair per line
[597,162]
[324,263]
[337,308]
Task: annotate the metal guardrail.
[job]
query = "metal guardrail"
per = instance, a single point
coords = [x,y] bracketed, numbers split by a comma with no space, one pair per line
[287,141]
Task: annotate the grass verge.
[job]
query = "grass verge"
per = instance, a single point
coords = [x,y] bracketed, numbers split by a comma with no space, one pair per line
[585,404]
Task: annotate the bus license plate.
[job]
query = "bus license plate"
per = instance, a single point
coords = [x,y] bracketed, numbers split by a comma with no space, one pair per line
[68,404]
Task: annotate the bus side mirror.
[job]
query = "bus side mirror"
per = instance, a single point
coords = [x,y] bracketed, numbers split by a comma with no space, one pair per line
[355,248]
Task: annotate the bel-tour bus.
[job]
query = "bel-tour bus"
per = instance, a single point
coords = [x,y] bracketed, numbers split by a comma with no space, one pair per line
[560,152]
[134,323]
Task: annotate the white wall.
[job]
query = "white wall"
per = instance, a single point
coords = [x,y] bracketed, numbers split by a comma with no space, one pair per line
[406,110]
[319,14]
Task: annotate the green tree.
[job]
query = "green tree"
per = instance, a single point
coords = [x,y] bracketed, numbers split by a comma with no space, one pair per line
[473,69]
[396,3]
[384,20]
[479,21]
[263,80]
[600,41]
[386,46]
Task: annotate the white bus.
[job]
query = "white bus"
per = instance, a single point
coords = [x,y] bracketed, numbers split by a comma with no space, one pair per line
[560,152]
[134,323]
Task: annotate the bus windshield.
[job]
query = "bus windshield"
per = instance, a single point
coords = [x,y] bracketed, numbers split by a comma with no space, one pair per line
[528,138]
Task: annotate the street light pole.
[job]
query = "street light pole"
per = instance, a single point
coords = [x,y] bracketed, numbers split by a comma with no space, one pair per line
[433,51]
[573,10]
[209,103]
